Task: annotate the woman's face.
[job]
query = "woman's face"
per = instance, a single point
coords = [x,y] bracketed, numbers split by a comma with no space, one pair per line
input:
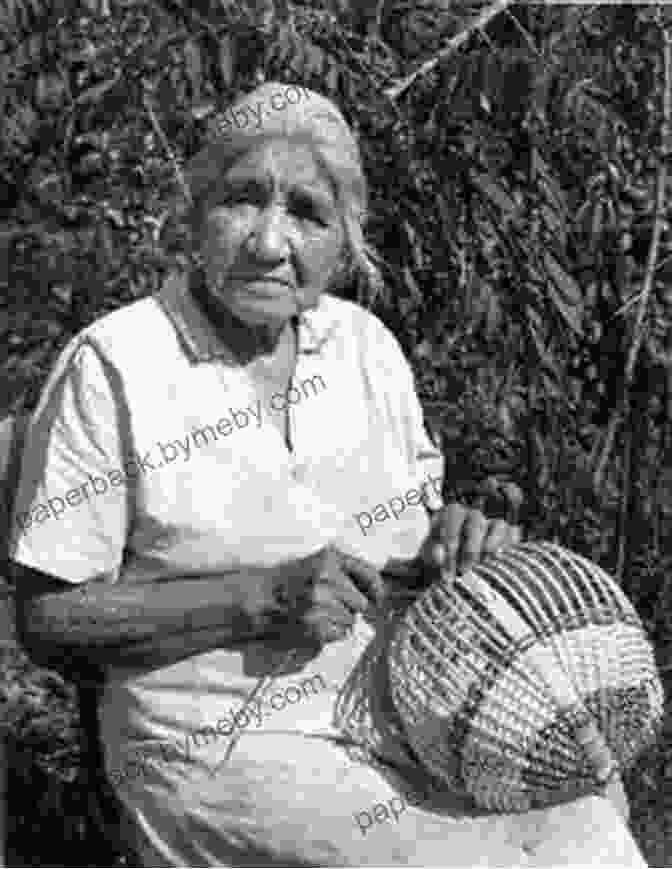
[271,234]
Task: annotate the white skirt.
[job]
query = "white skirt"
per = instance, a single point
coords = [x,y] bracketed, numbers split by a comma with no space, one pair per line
[282,797]
[289,800]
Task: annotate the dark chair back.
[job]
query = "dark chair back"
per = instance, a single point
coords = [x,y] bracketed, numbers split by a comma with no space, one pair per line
[12,430]
[103,808]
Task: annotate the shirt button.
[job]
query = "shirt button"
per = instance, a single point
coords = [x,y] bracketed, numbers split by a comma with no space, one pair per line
[299,472]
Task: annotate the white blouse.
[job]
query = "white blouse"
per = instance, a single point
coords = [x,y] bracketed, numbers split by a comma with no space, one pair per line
[150,455]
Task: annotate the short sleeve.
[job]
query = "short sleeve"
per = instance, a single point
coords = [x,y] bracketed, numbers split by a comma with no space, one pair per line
[71,509]
[428,459]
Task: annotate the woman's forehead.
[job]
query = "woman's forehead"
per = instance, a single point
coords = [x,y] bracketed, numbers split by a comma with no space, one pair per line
[284,163]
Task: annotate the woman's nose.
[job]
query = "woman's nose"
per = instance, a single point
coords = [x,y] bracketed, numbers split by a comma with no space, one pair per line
[269,239]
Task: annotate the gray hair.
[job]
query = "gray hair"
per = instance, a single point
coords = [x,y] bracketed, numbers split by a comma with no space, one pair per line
[361,258]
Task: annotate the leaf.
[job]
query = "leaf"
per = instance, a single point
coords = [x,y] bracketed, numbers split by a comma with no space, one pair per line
[514,495]
[194,67]
[18,18]
[63,292]
[566,285]
[282,49]
[295,58]
[540,458]
[263,12]
[104,244]
[115,216]
[227,58]
[19,128]
[314,60]
[534,326]
[596,227]
[98,7]
[203,110]
[414,245]
[95,93]
[484,103]
[411,283]
[49,91]
[555,199]
[332,78]
[423,350]
[554,222]
[565,293]
[494,192]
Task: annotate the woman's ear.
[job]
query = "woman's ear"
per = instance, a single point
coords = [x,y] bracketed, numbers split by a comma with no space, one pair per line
[344,272]
[195,218]
[193,223]
[339,278]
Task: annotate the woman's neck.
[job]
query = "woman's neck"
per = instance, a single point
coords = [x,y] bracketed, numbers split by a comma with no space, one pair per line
[245,340]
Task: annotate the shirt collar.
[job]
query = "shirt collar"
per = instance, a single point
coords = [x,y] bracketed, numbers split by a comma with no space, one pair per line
[200,339]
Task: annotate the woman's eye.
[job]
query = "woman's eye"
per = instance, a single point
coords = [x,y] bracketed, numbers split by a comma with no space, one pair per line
[306,209]
[245,195]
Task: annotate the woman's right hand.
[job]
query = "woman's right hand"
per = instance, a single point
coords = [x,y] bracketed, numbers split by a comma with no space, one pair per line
[323,592]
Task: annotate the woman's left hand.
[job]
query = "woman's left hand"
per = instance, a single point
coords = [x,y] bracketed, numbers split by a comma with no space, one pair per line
[460,537]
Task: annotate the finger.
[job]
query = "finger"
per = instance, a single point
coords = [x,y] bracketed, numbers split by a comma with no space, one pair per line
[438,554]
[330,612]
[327,632]
[327,625]
[428,555]
[452,519]
[498,536]
[516,534]
[338,588]
[400,578]
[401,568]
[437,525]
[474,532]
[365,576]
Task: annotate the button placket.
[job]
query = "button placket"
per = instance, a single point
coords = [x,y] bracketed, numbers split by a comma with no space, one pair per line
[295,453]
[296,431]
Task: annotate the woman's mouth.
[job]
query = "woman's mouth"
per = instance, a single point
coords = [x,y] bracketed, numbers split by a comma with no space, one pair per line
[260,281]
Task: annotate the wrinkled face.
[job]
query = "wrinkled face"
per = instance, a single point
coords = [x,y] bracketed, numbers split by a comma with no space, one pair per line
[271,234]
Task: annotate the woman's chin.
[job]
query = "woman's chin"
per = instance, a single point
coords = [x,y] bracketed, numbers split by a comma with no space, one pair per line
[257,311]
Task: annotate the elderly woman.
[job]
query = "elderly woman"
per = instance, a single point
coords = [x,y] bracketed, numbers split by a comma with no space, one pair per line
[213,519]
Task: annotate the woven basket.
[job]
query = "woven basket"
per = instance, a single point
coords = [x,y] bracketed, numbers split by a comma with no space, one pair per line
[527,681]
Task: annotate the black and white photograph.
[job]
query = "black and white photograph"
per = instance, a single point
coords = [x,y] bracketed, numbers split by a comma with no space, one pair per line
[335,433]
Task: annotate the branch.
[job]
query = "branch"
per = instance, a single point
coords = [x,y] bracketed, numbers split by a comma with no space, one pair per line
[189,16]
[476,23]
[624,507]
[167,148]
[622,412]
[661,183]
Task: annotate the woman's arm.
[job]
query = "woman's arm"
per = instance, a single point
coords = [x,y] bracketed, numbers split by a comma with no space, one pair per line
[71,628]
[97,624]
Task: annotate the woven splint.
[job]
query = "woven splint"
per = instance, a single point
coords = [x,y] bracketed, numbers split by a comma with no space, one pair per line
[526,682]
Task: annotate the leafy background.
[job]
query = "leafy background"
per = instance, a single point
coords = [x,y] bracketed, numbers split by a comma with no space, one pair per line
[518,191]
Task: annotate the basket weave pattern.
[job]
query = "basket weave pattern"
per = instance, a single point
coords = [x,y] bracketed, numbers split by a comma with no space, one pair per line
[364,710]
[494,677]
